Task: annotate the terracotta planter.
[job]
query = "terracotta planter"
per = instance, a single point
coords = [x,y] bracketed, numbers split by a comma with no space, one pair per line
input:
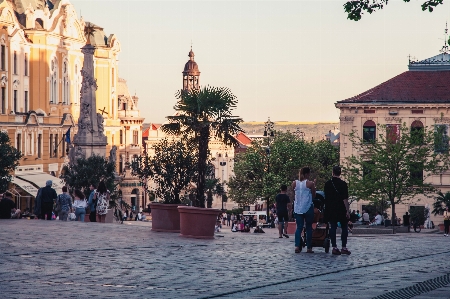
[292,227]
[197,222]
[165,217]
[441,227]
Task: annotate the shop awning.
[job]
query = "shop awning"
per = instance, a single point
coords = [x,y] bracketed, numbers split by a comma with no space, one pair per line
[26,186]
[40,178]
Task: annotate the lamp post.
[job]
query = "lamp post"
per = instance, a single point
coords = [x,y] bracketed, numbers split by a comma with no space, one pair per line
[223,164]
[268,132]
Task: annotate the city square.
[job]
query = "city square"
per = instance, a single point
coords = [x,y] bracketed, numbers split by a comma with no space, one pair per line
[89,260]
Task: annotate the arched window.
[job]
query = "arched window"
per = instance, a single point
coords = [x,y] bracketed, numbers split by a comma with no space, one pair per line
[65,86]
[369,131]
[54,82]
[417,132]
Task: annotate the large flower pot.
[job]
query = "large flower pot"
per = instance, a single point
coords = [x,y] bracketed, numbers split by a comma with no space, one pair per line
[292,227]
[165,217]
[197,222]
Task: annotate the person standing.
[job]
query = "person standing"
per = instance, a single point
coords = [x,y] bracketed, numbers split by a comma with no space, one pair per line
[282,201]
[102,196]
[337,209]
[305,190]
[7,206]
[64,201]
[48,197]
[228,219]
[80,205]
[92,204]
[446,222]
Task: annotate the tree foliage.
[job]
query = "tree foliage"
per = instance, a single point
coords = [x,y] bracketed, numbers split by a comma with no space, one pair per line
[395,166]
[171,168]
[203,114]
[261,170]
[9,160]
[356,8]
[83,172]
[441,202]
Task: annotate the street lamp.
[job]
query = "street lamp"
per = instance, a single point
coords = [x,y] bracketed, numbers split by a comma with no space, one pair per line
[268,132]
[223,164]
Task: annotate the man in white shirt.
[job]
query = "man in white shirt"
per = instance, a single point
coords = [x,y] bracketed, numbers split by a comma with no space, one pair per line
[378,219]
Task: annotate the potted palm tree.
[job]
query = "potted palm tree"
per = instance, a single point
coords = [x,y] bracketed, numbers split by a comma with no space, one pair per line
[440,203]
[203,114]
[171,168]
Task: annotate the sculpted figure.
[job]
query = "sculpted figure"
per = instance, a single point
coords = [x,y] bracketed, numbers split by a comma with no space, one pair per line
[112,155]
[100,121]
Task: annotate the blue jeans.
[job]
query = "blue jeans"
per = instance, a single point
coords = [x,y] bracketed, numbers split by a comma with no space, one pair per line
[344,234]
[300,219]
[80,212]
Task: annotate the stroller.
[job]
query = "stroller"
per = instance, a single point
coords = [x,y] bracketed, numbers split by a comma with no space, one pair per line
[320,236]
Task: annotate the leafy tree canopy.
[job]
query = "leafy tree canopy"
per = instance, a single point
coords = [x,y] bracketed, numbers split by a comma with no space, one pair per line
[9,160]
[94,169]
[356,8]
[396,166]
[171,168]
[441,202]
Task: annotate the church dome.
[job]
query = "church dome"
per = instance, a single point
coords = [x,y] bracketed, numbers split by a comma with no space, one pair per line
[191,65]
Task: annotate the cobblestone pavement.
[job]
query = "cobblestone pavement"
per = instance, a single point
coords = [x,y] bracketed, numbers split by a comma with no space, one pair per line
[45,259]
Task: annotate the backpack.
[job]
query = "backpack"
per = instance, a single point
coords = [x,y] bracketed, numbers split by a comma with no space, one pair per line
[102,203]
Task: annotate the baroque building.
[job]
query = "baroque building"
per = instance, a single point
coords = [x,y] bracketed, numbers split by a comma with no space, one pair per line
[418,97]
[40,82]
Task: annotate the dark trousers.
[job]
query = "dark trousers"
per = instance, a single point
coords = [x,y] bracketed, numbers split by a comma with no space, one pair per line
[46,208]
[93,216]
[344,233]
[446,226]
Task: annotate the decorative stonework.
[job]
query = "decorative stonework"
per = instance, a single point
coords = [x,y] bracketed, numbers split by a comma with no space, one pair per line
[445,120]
[393,119]
[348,119]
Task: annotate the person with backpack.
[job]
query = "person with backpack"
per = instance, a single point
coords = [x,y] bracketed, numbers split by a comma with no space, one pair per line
[48,197]
[92,204]
[102,196]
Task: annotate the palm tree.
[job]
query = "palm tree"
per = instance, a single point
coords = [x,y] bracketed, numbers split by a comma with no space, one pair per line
[203,114]
[441,202]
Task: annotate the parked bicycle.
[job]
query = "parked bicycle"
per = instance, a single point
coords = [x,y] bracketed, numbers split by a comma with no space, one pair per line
[416,227]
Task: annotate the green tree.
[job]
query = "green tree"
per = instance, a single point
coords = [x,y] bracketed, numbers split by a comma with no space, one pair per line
[356,8]
[203,114]
[172,168]
[94,169]
[397,165]
[441,202]
[9,160]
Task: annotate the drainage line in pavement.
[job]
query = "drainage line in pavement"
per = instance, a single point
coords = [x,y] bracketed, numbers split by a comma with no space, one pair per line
[321,274]
[417,289]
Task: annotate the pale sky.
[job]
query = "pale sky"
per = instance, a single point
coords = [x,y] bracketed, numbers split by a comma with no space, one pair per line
[290,60]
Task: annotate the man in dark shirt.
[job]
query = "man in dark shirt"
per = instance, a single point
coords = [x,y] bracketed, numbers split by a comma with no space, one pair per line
[7,206]
[48,197]
[406,220]
[282,211]
[337,209]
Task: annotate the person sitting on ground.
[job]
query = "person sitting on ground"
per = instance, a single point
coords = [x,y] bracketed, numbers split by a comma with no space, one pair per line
[217,226]
[259,230]
[7,206]
[365,217]
[377,220]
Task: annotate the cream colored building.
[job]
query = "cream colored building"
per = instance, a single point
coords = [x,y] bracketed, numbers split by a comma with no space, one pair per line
[418,97]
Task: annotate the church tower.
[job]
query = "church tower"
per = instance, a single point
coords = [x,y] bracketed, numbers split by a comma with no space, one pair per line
[191,74]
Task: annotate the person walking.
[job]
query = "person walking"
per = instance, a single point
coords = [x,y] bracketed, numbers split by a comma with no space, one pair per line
[48,197]
[64,201]
[92,204]
[337,209]
[282,201]
[7,206]
[80,205]
[305,191]
[102,196]
[446,221]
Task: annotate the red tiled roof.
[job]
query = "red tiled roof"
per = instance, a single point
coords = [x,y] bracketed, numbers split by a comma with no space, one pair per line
[145,133]
[156,126]
[409,87]
[243,139]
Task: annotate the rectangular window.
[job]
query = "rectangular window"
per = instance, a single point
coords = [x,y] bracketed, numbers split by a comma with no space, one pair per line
[2,57]
[26,101]
[369,134]
[51,145]
[26,64]
[15,63]
[55,152]
[441,138]
[18,142]
[416,171]
[392,134]
[3,100]
[369,111]
[124,106]
[63,150]
[367,169]
[121,137]
[135,137]
[39,145]
[415,111]
[15,101]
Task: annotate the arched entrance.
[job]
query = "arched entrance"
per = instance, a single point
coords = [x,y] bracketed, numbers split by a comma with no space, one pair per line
[135,199]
